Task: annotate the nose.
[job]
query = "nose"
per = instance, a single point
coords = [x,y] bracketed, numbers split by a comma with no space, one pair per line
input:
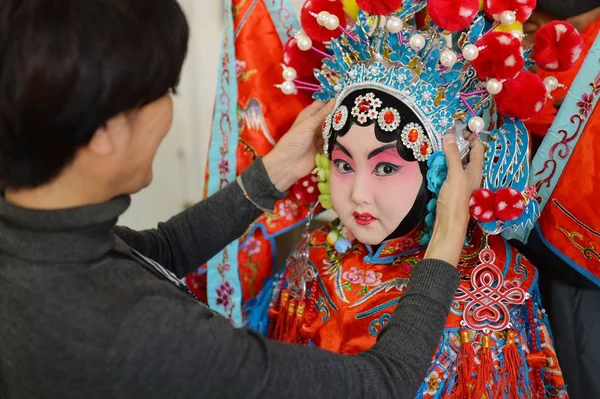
[361,193]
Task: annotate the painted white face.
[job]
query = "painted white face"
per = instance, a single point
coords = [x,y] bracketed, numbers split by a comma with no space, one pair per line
[372,187]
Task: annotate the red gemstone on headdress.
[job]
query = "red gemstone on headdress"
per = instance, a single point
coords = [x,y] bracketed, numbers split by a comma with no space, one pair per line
[324,125]
[389,117]
[413,135]
[364,106]
[338,117]
[425,148]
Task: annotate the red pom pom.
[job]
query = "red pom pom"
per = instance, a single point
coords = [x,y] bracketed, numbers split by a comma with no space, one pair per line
[308,19]
[522,8]
[557,46]
[501,57]
[306,189]
[482,205]
[522,97]
[379,7]
[304,62]
[509,204]
[452,15]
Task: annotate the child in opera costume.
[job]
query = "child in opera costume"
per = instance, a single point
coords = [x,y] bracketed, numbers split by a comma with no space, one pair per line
[402,76]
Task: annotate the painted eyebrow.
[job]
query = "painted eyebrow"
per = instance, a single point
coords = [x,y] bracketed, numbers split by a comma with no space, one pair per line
[343,149]
[380,150]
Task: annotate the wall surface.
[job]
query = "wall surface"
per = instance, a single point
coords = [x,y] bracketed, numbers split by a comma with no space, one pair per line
[180,163]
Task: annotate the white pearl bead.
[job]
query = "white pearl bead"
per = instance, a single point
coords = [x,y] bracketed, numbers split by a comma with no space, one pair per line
[332,22]
[508,18]
[289,73]
[551,83]
[288,88]
[494,86]
[417,42]
[322,17]
[394,24]
[448,58]
[304,43]
[476,124]
[470,52]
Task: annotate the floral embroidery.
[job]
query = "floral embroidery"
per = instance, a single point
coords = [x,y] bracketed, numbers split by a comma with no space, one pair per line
[288,209]
[585,105]
[252,246]
[372,278]
[433,383]
[354,276]
[224,167]
[224,293]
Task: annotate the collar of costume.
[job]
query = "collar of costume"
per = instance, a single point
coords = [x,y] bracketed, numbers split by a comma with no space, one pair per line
[389,250]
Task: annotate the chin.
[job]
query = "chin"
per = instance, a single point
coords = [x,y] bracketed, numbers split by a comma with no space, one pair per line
[367,235]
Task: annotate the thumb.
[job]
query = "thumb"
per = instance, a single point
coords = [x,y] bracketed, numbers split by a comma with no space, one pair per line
[452,154]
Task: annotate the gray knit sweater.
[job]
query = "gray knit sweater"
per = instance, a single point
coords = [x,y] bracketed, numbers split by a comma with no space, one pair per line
[82,316]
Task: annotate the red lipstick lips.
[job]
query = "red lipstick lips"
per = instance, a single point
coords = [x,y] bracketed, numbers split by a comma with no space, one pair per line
[364,219]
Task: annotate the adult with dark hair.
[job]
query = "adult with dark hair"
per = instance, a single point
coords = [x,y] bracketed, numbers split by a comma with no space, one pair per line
[86,309]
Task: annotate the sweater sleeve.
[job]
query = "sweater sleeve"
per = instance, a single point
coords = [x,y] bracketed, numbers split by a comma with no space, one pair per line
[180,349]
[192,237]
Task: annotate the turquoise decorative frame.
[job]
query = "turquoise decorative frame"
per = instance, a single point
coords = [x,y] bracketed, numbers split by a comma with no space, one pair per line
[224,291]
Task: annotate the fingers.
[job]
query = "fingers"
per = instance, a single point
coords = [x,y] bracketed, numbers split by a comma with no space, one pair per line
[452,153]
[319,116]
[474,168]
[313,108]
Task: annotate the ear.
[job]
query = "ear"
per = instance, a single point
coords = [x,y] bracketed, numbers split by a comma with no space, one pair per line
[101,143]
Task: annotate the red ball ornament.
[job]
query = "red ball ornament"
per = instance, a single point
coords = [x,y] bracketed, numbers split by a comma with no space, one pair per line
[522,97]
[500,56]
[557,46]
[308,19]
[379,7]
[452,15]
[509,204]
[522,8]
[304,62]
[306,189]
[482,205]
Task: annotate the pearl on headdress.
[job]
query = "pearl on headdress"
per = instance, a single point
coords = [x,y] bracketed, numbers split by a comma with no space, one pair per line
[288,87]
[289,73]
[304,43]
[394,24]
[417,42]
[448,58]
[494,86]
[476,124]
[322,17]
[332,22]
[508,17]
[470,52]
[551,83]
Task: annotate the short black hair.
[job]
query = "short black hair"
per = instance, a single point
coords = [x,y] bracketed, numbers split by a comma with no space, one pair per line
[68,66]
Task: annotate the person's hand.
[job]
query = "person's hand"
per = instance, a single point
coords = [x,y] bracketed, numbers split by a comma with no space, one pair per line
[294,155]
[452,211]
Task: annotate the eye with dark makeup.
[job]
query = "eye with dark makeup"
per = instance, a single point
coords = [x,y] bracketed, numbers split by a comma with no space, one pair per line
[384,169]
[342,166]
